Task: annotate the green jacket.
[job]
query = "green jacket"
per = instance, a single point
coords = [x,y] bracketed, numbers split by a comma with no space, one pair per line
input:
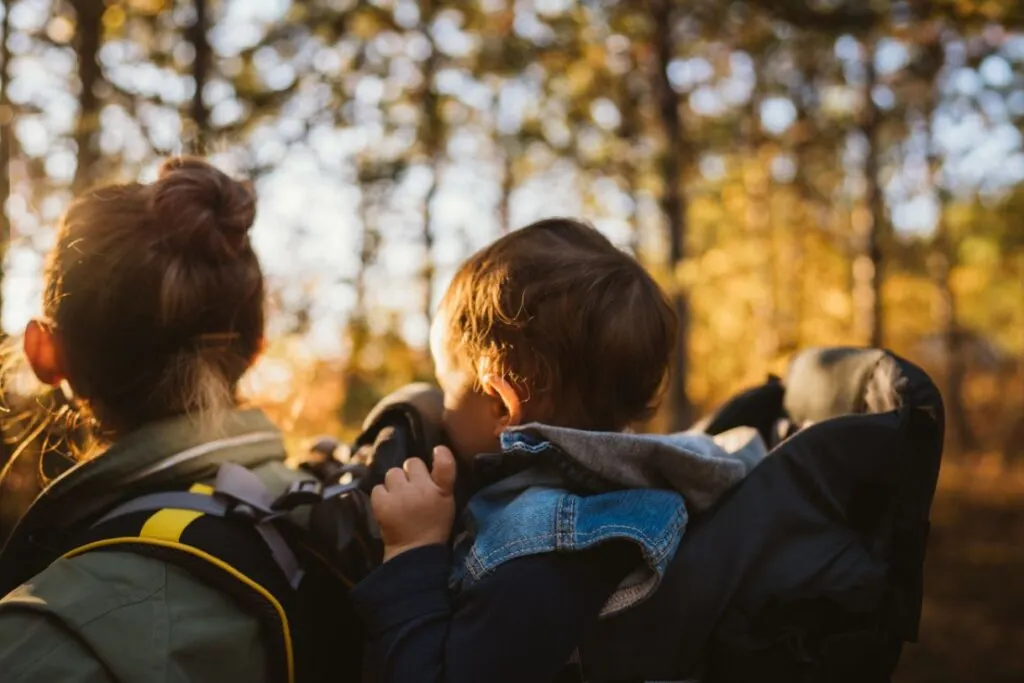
[118,617]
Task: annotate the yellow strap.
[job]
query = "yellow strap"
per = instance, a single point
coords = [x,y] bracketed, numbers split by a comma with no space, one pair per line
[170,523]
[217,562]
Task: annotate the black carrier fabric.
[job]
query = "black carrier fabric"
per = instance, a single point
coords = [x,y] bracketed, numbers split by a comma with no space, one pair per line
[322,625]
[811,568]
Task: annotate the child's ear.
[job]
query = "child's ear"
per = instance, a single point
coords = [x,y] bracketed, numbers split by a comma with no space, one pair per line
[42,349]
[502,389]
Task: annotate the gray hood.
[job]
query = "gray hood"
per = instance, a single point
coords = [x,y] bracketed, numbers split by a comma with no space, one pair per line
[698,466]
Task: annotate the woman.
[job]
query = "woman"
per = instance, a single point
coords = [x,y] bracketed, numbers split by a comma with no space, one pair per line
[153,311]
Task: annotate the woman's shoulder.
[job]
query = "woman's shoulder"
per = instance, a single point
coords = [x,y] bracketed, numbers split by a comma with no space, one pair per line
[133,613]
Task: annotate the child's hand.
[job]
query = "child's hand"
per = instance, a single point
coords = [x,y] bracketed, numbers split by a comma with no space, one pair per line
[415,507]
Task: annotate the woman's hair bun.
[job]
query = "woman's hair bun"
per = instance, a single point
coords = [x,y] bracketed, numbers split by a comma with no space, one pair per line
[201,211]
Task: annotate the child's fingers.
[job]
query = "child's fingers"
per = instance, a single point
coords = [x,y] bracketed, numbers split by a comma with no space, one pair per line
[378,501]
[443,472]
[395,478]
[416,470]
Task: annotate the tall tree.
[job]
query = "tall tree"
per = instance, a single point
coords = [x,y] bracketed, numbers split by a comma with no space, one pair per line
[867,266]
[432,139]
[943,248]
[673,200]
[628,161]
[198,36]
[6,131]
[758,186]
[88,34]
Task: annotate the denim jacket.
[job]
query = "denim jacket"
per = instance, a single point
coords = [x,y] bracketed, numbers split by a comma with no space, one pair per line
[553,489]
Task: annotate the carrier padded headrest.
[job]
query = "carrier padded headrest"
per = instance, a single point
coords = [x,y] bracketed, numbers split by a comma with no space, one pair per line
[404,424]
[823,383]
[425,399]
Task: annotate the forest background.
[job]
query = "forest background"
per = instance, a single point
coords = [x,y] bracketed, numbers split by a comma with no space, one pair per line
[795,173]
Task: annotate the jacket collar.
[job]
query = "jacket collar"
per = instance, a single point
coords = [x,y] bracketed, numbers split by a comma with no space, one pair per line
[163,453]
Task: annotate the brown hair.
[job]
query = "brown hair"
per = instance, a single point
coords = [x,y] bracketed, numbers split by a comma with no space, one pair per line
[567,317]
[156,295]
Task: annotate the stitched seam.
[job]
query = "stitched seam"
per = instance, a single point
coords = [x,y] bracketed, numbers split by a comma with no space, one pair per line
[479,565]
[659,545]
[522,446]
[162,663]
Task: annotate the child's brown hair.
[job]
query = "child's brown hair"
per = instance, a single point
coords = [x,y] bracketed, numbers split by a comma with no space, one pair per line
[573,322]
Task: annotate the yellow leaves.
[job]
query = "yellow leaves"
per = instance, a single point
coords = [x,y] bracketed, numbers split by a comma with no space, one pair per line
[147,6]
[980,251]
[908,305]
[114,18]
[861,220]
[298,12]
[594,54]
[579,76]
[686,275]
[364,25]
[836,303]
[734,198]
[716,263]
[967,281]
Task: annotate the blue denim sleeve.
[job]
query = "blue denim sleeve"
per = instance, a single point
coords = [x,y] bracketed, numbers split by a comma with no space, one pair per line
[521,623]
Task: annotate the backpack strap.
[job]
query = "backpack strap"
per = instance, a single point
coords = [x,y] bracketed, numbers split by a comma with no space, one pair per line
[237,494]
[238,538]
[216,549]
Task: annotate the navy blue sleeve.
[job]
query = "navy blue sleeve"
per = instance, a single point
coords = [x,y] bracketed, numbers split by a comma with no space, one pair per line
[521,623]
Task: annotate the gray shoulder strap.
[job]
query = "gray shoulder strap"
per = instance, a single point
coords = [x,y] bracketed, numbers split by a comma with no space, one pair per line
[234,484]
[181,500]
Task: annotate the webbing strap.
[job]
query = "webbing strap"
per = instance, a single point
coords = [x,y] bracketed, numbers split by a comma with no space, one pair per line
[182,500]
[175,510]
[282,553]
[241,485]
[169,524]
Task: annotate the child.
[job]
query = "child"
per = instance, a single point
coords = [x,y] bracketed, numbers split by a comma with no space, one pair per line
[548,344]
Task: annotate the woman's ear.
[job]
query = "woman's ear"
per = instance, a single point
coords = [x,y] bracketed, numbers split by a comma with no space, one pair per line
[512,415]
[42,349]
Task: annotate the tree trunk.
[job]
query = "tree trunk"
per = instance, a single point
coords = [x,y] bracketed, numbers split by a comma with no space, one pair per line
[867,265]
[358,321]
[627,161]
[432,139]
[428,240]
[673,205]
[507,185]
[6,131]
[199,112]
[759,225]
[941,262]
[89,29]
[632,188]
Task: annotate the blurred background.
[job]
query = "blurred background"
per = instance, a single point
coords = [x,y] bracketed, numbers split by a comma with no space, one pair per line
[795,173]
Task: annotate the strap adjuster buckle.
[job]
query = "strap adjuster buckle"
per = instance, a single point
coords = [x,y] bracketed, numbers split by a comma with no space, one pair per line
[305,492]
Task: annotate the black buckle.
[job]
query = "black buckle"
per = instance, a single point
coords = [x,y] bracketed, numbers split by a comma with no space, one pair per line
[305,492]
[242,511]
